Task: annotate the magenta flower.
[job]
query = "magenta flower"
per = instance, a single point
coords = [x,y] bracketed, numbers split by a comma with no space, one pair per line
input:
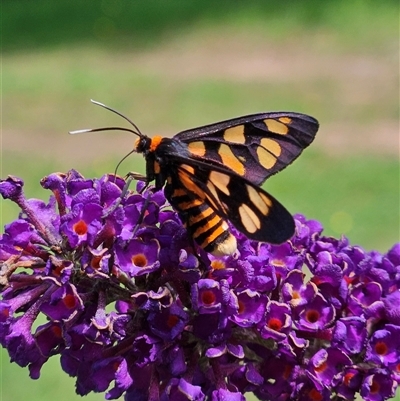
[134,308]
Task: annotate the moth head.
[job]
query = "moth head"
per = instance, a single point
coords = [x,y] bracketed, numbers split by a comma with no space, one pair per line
[142,144]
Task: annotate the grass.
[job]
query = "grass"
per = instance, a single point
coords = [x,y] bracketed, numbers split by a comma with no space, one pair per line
[175,65]
[136,25]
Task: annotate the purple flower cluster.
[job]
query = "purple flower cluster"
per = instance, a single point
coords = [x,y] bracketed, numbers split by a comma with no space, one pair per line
[134,308]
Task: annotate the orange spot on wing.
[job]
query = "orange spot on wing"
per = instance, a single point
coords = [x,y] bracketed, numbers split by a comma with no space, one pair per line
[230,160]
[285,120]
[276,127]
[197,148]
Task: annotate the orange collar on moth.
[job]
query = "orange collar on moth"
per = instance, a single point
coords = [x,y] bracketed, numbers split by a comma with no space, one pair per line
[155,141]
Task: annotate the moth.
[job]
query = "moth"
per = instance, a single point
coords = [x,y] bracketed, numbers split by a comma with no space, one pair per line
[212,174]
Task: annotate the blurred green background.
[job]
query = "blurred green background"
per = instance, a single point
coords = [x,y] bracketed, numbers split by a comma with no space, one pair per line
[176,64]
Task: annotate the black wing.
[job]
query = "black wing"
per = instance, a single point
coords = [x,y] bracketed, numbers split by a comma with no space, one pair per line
[255,146]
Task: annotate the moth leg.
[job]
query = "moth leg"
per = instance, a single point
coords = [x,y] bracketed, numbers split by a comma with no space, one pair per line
[128,179]
[143,211]
[184,217]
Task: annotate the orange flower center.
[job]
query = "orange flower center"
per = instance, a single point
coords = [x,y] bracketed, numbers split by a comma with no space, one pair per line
[139,260]
[381,348]
[69,301]
[172,321]
[315,395]
[95,262]
[312,316]
[80,227]
[57,331]
[218,264]
[347,378]
[375,387]
[275,324]
[208,297]
[321,367]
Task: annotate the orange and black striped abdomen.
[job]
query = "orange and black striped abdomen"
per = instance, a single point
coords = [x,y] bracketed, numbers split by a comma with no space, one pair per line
[207,228]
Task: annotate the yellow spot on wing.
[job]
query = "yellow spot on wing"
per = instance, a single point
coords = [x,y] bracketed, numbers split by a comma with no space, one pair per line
[272,146]
[188,168]
[230,160]
[285,120]
[266,199]
[235,134]
[265,158]
[249,219]
[257,200]
[276,127]
[197,148]
[220,180]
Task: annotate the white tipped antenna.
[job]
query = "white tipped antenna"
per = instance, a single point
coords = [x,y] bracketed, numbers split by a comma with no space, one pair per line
[136,130]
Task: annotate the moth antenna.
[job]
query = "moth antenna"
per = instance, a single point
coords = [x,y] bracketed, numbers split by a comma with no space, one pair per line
[135,131]
[83,131]
[138,132]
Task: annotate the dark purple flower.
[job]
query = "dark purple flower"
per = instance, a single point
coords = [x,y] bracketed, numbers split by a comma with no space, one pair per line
[181,390]
[138,257]
[350,334]
[135,309]
[377,386]
[316,315]
[224,395]
[251,308]
[82,224]
[278,321]
[207,296]
[383,347]
[326,364]
[295,292]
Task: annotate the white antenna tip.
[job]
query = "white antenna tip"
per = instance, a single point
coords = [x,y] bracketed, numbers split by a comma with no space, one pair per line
[80,131]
